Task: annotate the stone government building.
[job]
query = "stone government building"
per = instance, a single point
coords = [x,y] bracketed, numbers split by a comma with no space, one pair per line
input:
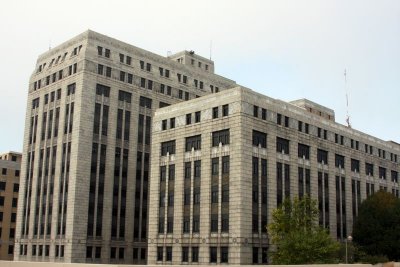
[230,158]
[86,190]
[86,151]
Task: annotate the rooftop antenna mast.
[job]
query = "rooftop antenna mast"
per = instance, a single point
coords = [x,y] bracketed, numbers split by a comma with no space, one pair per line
[347,100]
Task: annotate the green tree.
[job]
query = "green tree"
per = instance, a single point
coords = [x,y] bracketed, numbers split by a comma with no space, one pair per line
[377,226]
[296,236]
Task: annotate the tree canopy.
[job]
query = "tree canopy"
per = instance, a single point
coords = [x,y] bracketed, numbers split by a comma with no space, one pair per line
[377,226]
[296,236]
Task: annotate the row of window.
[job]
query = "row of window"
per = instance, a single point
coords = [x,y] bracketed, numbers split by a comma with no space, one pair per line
[125,59]
[106,71]
[321,133]
[282,146]
[127,97]
[144,83]
[196,174]
[126,77]
[14,202]
[192,62]
[164,72]
[12,230]
[197,117]
[194,142]
[224,254]
[3,184]
[198,84]
[52,96]
[4,171]
[103,52]
[190,197]
[60,58]
[167,90]
[7,157]
[42,250]
[56,76]
[95,253]
[225,111]
[186,222]
[146,66]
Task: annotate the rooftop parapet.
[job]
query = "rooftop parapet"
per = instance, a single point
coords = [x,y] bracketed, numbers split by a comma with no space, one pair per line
[315,108]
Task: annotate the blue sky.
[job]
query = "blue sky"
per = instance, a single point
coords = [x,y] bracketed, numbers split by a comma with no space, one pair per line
[283,49]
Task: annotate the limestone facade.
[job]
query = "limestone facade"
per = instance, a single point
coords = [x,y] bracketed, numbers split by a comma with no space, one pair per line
[230,158]
[86,151]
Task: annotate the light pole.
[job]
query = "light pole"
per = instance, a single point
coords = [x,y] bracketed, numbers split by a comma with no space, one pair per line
[348,239]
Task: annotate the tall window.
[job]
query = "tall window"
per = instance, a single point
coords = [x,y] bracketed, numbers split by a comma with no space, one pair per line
[341,229]
[214,166]
[283,182]
[323,199]
[255,194]
[171,172]
[160,253]
[96,191]
[213,254]
[304,181]
[224,254]
[197,169]
[225,223]
[225,164]
[214,223]
[185,254]
[355,196]
[188,170]
[195,254]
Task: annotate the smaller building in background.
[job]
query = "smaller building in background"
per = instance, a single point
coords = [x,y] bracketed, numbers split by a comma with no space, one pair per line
[10,166]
